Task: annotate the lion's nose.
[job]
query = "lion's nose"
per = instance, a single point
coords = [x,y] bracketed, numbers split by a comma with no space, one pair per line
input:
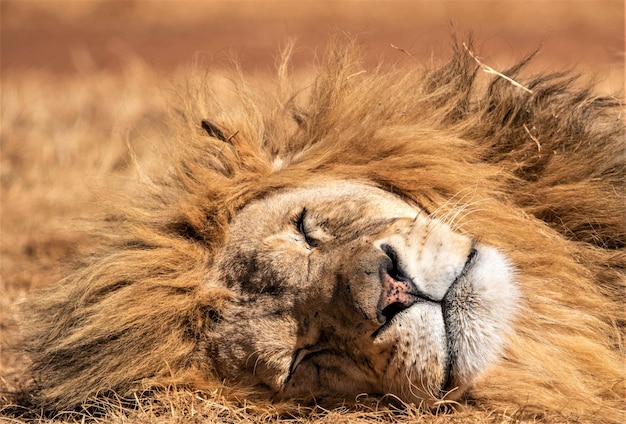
[396,296]
[398,291]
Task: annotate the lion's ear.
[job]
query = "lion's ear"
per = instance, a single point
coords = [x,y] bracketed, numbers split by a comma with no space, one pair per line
[213,130]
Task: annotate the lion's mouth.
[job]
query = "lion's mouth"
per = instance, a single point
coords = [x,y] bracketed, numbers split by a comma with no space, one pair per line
[394,311]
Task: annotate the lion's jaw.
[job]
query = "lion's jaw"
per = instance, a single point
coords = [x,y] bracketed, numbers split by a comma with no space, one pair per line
[342,288]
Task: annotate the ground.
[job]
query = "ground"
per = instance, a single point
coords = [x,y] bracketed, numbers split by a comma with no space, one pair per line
[84,81]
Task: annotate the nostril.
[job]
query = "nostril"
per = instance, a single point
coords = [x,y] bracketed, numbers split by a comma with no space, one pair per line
[393,267]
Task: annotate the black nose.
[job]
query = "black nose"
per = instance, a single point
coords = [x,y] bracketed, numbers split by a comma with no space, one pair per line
[398,291]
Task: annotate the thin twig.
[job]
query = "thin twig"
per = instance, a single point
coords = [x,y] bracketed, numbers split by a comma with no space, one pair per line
[393,46]
[533,138]
[401,49]
[356,74]
[232,136]
[490,70]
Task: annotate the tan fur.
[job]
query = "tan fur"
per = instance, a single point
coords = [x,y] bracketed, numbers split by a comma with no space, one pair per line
[141,313]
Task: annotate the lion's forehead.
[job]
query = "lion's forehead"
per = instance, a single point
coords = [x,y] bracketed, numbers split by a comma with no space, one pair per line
[343,194]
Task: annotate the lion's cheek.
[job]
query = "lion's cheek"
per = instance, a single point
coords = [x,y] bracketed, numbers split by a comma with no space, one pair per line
[253,350]
[331,373]
[304,383]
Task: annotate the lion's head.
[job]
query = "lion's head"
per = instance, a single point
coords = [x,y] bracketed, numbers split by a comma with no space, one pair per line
[345,289]
[414,232]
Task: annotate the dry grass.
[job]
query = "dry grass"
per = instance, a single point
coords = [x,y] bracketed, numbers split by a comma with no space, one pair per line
[180,406]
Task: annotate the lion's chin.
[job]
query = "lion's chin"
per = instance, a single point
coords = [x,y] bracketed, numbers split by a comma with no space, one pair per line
[441,348]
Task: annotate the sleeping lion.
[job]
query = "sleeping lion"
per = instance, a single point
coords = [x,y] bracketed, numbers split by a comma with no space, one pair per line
[412,233]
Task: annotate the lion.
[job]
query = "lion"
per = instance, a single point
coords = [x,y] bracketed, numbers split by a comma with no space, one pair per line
[405,232]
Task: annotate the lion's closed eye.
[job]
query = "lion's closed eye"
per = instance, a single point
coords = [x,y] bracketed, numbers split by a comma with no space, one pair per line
[304,227]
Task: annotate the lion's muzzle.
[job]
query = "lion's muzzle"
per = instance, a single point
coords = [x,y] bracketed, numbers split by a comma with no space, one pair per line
[399,292]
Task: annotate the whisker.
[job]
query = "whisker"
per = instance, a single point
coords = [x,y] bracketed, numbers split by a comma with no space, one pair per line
[449,220]
[461,215]
[460,226]
[434,214]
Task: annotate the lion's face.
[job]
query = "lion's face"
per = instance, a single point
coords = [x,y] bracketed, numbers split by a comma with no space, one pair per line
[342,288]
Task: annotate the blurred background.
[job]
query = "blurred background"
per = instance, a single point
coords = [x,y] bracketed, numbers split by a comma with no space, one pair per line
[65,37]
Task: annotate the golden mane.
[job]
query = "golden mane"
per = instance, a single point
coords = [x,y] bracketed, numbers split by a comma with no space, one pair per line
[547,163]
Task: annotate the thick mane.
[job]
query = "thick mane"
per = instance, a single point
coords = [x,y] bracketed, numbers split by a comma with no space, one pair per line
[537,172]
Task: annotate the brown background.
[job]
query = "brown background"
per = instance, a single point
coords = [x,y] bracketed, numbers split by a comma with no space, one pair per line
[79,36]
